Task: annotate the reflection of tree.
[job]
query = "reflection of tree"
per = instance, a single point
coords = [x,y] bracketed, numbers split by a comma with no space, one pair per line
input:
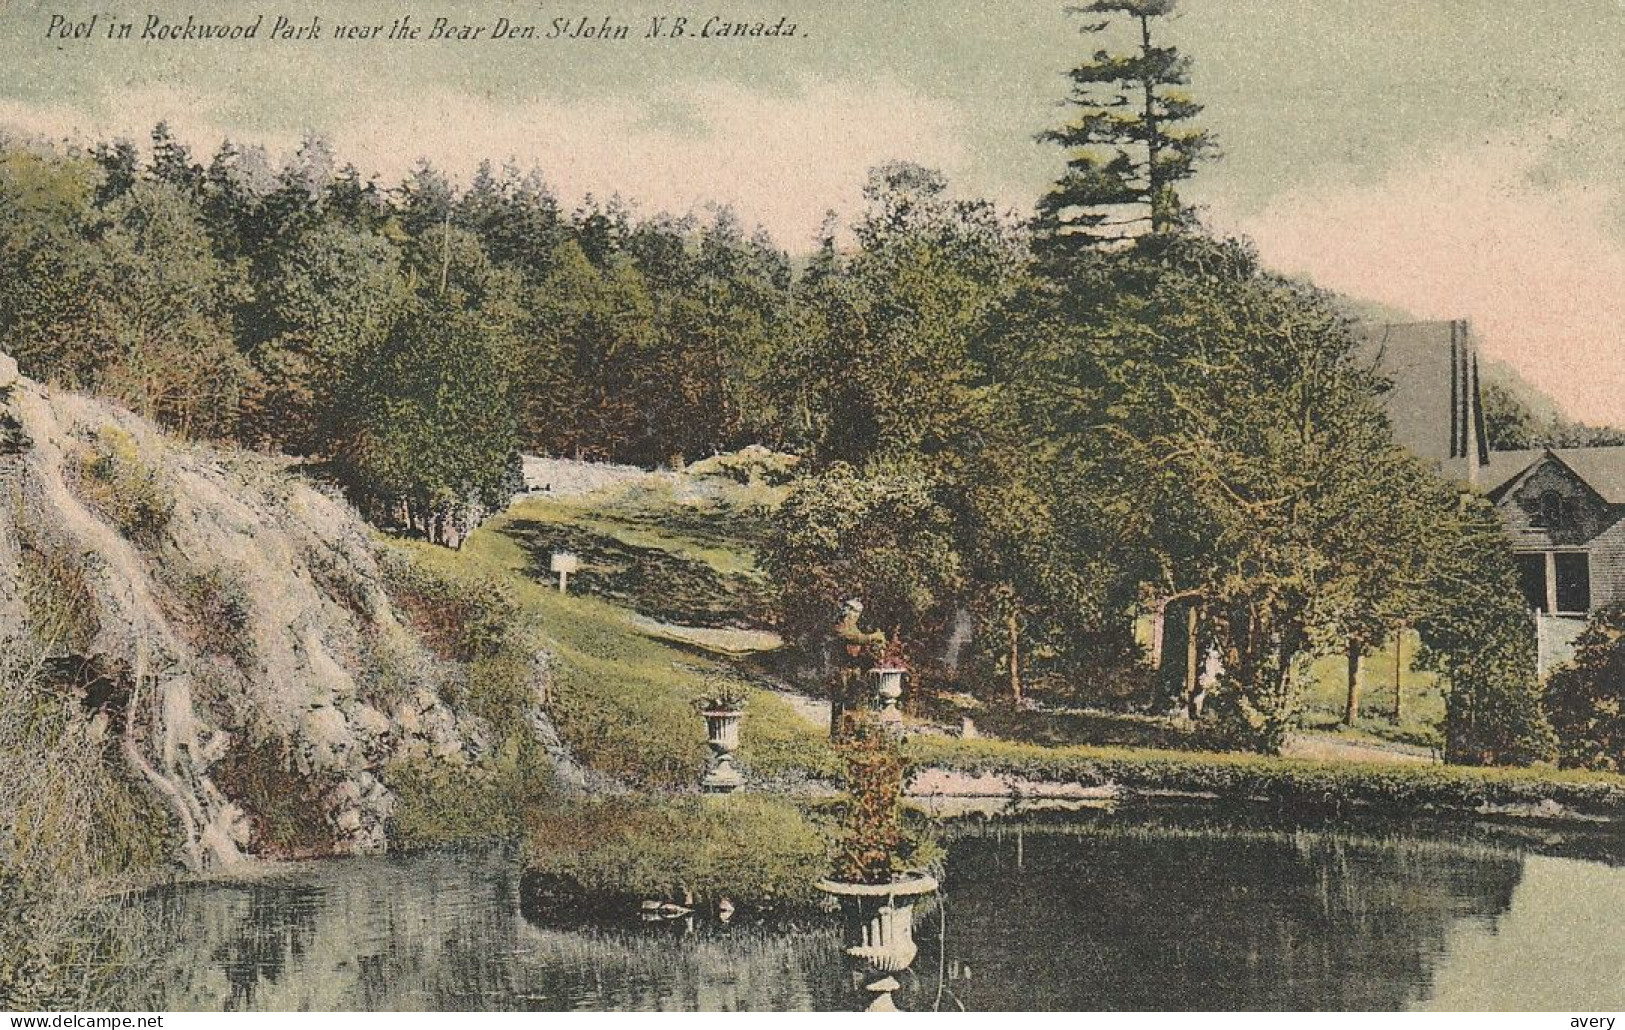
[1157,918]
[444,931]
[1160,910]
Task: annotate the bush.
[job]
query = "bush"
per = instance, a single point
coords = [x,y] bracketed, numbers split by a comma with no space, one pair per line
[469,616]
[285,809]
[871,842]
[131,494]
[749,464]
[884,535]
[443,801]
[56,595]
[759,852]
[214,604]
[70,809]
[1585,700]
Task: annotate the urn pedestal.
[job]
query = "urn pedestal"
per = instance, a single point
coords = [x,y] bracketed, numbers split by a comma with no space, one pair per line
[722,731]
[888,691]
[879,932]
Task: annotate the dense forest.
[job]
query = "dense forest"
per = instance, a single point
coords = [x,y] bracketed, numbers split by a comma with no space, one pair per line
[1050,425]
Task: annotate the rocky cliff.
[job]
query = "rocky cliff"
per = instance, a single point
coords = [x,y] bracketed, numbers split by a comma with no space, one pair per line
[221,622]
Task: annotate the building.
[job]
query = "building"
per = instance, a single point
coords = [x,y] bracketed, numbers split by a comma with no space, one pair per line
[1564,509]
[1433,396]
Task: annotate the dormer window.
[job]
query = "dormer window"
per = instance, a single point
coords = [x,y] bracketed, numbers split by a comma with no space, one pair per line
[1553,510]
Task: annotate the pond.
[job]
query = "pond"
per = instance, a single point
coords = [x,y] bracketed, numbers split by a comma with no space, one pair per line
[1147,907]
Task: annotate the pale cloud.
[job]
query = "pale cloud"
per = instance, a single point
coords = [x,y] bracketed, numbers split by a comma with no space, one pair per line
[193,117]
[781,160]
[1462,231]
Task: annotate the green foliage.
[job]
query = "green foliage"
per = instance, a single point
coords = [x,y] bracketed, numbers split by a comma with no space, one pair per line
[285,806]
[1476,634]
[870,847]
[884,537]
[214,604]
[1511,422]
[886,358]
[70,809]
[131,493]
[759,852]
[444,801]
[754,464]
[64,946]
[328,307]
[434,428]
[55,594]
[1585,699]
[471,617]
[1226,449]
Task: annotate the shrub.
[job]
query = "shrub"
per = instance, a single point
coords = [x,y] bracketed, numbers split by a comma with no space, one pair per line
[464,615]
[131,494]
[1585,700]
[70,809]
[215,606]
[286,815]
[56,596]
[443,801]
[872,830]
[754,463]
[1238,776]
[472,617]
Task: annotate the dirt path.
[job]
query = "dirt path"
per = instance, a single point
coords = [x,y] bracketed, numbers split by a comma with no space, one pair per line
[730,641]
[561,477]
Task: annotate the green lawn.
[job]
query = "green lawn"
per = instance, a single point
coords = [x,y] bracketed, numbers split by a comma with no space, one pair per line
[1420,694]
[679,555]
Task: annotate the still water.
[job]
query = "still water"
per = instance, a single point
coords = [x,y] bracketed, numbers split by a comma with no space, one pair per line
[1152,908]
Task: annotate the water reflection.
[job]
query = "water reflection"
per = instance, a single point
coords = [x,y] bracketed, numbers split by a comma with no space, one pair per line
[1165,917]
[1084,911]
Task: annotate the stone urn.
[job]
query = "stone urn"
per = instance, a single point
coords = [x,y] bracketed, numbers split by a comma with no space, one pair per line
[888,691]
[722,732]
[879,931]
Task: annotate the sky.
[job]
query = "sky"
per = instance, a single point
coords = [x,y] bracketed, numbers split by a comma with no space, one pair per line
[1445,158]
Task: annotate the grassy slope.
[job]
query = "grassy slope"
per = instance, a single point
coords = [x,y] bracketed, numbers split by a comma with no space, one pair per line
[623,698]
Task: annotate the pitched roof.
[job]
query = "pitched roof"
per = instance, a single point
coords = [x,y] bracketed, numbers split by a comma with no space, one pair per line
[1602,468]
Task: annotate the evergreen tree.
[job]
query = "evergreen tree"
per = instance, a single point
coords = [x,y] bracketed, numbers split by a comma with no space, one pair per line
[1132,141]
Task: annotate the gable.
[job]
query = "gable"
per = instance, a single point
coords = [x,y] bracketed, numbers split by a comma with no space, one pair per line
[1551,505]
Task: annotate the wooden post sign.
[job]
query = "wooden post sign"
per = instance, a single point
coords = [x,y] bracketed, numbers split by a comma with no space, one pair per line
[564,563]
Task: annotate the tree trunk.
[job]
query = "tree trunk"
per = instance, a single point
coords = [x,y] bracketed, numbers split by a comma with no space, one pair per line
[1193,707]
[1351,711]
[1159,616]
[1152,137]
[1399,647]
[1015,659]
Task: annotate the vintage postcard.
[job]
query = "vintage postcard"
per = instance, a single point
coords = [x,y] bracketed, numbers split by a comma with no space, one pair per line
[811,505]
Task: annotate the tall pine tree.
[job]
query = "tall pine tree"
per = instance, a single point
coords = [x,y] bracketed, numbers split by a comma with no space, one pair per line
[1132,141]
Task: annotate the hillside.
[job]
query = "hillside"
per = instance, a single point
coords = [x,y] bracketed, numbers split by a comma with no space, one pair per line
[202,661]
